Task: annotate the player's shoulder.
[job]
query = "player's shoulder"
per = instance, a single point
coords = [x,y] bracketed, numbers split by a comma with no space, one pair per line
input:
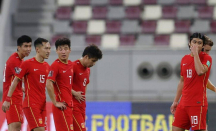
[56,62]
[13,58]
[186,56]
[205,54]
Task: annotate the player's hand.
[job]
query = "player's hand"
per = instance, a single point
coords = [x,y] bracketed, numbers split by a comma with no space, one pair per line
[173,107]
[194,49]
[61,105]
[5,106]
[79,96]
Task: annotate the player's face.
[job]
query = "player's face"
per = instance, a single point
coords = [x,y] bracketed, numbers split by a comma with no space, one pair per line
[89,62]
[198,42]
[25,49]
[45,50]
[63,52]
[207,48]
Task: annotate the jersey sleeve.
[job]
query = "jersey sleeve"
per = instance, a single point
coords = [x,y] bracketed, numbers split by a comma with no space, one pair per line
[22,70]
[207,61]
[53,72]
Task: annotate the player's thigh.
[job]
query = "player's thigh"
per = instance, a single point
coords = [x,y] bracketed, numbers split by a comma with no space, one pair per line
[34,117]
[181,118]
[15,126]
[14,114]
[79,121]
[198,117]
[38,129]
[63,119]
[174,128]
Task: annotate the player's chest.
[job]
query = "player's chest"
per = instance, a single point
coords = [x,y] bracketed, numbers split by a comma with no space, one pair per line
[39,69]
[188,68]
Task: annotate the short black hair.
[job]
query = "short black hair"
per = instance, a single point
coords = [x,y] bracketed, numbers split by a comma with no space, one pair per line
[198,35]
[22,39]
[39,41]
[62,41]
[92,51]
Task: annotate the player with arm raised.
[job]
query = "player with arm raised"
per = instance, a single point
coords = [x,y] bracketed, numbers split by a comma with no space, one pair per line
[90,56]
[59,86]
[14,115]
[35,72]
[195,70]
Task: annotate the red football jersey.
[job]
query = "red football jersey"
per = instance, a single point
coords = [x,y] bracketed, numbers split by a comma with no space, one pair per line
[194,90]
[35,74]
[11,66]
[80,81]
[62,76]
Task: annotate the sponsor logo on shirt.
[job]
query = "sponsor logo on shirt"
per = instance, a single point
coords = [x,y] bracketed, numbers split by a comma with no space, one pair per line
[80,73]
[40,120]
[208,63]
[17,70]
[50,74]
[71,126]
[184,64]
[35,69]
[83,125]
[64,71]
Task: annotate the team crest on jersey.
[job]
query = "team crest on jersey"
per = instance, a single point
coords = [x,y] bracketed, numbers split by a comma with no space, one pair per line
[71,126]
[83,125]
[17,70]
[50,74]
[40,120]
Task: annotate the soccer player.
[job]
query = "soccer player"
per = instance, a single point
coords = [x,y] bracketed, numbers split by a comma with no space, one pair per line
[195,70]
[14,115]
[35,72]
[206,48]
[90,56]
[60,81]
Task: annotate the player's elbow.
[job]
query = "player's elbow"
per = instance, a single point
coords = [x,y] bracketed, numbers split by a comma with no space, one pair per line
[200,73]
[48,84]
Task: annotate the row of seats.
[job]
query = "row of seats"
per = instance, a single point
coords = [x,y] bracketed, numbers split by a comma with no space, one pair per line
[114,41]
[132,2]
[163,26]
[141,40]
[147,12]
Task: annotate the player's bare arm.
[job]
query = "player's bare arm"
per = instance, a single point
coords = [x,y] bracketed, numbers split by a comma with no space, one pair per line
[211,86]
[178,95]
[50,90]
[78,95]
[199,67]
[6,104]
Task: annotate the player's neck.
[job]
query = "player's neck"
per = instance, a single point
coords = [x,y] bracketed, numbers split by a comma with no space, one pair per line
[39,58]
[81,61]
[64,61]
[21,56]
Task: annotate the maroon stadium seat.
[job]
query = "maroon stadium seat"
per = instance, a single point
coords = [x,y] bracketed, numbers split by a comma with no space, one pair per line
[149,26]
[127,40]
[169,11]
[63,13]
[203,2]
[183,1]
[182,26]
[79,26]
[113,26]
[99,12]
[133,12]
[93,39]
[148,2]
[162,40]
[205,11]
[213,26]
[115,2]
[82,2]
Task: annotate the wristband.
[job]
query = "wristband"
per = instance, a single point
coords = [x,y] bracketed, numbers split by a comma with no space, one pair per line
[8,99]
